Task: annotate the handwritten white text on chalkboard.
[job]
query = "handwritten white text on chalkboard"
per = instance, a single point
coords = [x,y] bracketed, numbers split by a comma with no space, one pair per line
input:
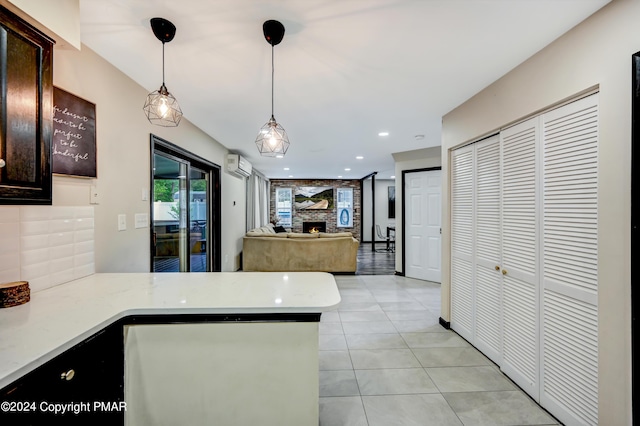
[66,153]
[66,111]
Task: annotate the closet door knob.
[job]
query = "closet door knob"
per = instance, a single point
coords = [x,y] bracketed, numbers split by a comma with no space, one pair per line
[504,272]
[2,163]
[67,375]
[497,268]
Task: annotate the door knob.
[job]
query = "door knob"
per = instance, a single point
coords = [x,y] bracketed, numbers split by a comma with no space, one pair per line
[2,163]
[497,268]
[67,375]
[504,272]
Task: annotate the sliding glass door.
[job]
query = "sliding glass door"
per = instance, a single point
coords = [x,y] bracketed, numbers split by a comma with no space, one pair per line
[185,194]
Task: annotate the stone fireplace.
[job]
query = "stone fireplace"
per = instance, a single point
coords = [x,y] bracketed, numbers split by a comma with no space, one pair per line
[313,227]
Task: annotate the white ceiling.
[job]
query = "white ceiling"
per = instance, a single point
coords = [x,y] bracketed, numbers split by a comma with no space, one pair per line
[345,70]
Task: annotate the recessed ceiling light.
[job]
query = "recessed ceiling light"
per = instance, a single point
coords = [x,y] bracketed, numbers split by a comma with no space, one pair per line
[347,169]
[393,177]
[286,168]
[290,175]
[359,157]
[340,177]
[383,134]
[279,156]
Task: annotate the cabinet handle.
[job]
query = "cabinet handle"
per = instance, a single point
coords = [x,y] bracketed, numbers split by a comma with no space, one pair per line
[2,163]
[497,268]
[67,375]
[504,272]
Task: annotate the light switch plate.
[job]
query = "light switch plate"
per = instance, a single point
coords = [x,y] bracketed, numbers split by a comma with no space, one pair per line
[122,222]
[94,198]
[142,220]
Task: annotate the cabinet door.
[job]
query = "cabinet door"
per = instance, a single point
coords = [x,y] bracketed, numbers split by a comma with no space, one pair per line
[488,249]
[520,290]
[91,371]
[462,241]
[25,112]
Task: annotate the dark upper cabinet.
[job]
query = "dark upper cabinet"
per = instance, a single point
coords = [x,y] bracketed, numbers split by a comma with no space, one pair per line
[26,100]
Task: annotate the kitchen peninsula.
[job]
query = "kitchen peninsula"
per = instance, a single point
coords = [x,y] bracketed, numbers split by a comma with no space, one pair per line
[234,347]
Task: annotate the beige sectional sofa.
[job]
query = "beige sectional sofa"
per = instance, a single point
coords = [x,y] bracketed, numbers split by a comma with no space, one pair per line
[267,251]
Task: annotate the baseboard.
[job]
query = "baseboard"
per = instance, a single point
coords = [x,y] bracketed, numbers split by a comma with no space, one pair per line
[401,274]
[445,324]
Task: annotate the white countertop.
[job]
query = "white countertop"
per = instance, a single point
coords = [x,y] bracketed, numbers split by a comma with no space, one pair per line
[60,317]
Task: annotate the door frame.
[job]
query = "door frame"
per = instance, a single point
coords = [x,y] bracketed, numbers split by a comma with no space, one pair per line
[404,210]
[635,233]
[215,206]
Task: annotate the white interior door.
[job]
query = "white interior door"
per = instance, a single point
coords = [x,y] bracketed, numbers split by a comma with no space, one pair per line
[488,249]
[570,262]
[422,227]
[462,242]
[520,263]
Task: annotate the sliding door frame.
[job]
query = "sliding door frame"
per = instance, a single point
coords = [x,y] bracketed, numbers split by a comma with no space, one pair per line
[214,212]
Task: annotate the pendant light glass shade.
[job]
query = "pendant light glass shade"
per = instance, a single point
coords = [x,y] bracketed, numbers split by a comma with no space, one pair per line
[161,108]
[272,140]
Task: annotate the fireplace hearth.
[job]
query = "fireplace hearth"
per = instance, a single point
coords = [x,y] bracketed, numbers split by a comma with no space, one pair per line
[313,227]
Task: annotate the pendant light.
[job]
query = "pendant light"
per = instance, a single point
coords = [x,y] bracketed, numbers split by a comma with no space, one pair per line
[161,108]
[272,141]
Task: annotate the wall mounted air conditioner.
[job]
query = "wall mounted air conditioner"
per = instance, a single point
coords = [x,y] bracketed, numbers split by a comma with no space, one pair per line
[238,165]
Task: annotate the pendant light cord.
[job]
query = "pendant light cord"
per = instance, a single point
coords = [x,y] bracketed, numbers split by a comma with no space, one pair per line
[272,74]
[163,63]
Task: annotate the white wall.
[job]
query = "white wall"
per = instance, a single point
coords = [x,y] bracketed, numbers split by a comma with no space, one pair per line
[410,160]
[61,17]
[123,149]
[381,208]
[596,53]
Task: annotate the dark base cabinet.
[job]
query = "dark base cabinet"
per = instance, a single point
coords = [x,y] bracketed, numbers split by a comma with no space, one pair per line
[87,381]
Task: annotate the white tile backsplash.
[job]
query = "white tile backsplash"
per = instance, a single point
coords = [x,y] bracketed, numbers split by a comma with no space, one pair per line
[46,245]
[37,213]
[61,238]
[10,214]
[59,252]
[9,260]
[40,283]
[33,242]
[10,275]
[10,237]
[62,225]
[59,265]
[34,270]
[83,235]
[84,270]
[83,247]
[83,223]
[35,227]
[34,257]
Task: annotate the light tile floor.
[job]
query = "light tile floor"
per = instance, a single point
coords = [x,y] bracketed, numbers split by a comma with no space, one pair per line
[385,360]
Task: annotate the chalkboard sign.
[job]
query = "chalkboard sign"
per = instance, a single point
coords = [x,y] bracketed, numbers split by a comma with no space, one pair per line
[73,148]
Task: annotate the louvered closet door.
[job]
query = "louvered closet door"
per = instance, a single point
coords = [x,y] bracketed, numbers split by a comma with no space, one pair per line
[488,279]
[520,290]
[462,299]
[570,244]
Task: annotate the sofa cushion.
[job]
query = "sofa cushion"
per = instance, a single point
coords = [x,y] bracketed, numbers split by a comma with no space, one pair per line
[264,235]
[302,236]
[335,234]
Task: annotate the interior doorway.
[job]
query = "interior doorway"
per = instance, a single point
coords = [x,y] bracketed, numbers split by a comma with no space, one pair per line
[185,210]
[422,224]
